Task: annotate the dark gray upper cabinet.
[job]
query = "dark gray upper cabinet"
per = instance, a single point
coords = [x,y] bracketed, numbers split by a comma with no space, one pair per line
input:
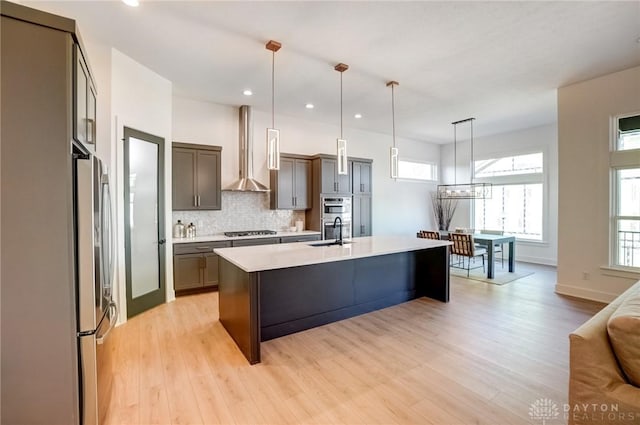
[208,183]
[84,101]
[361,215]
[183,185]
[291,184]
[332,182]
[196,181]
[361,172]
[302,184]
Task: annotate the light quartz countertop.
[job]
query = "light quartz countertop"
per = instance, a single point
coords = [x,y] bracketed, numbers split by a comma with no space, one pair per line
[222,237]
[280,256]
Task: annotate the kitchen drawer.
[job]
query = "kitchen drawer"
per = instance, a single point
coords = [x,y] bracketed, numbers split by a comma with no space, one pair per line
[301,238]
[199,248]
[258,241]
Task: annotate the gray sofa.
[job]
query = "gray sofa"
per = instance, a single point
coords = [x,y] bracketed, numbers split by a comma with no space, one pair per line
[604,380]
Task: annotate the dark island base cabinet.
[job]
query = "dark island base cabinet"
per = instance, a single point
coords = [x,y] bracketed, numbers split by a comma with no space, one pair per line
[195,267]
[263,305]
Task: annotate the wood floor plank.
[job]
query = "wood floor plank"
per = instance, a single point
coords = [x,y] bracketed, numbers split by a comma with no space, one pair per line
[483,358]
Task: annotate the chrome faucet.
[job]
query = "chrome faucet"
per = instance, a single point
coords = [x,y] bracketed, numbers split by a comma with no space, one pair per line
[339,238]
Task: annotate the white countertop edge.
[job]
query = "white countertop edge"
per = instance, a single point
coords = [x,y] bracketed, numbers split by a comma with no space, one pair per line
[221,237]
[272,257]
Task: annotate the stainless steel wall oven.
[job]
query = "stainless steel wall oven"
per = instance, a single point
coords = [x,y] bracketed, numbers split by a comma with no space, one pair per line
[333,207]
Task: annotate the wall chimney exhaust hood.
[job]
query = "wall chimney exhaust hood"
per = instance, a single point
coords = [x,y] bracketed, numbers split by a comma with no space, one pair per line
[246,182]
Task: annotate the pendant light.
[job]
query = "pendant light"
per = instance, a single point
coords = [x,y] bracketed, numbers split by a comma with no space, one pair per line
[273,134]
[469,190]
[341,143]
[393,154]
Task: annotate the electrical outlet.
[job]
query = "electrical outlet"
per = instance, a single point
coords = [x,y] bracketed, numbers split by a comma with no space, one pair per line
[585,276]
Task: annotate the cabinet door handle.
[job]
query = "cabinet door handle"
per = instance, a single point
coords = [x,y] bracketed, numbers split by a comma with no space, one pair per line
[293,200]
[198,200]
[195,201]
[202,263]
[204,248]
[361,229]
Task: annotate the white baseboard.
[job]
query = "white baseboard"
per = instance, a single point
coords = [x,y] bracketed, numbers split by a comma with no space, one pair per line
[537,260]
[588,294]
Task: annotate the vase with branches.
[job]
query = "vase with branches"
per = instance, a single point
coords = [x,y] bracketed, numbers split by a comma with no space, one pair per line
[443,210]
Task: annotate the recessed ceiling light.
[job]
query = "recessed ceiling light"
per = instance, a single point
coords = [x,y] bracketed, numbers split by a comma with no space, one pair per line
[132,3]
[247,92]
[309,106]
[358,116]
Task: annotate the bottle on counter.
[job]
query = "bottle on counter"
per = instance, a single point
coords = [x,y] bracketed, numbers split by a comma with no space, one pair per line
[191,230]
[178,230]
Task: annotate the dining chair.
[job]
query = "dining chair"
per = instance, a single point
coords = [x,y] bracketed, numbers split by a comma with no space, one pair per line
[498,248]
[429,234]
[463,247]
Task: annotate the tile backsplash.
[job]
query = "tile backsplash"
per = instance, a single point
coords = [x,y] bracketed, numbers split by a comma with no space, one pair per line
[240,211]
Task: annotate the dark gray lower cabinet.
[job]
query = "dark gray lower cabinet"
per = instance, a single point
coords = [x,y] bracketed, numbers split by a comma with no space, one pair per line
[195,266]
[301,238]
[187,271]
[257,241]
[361,216]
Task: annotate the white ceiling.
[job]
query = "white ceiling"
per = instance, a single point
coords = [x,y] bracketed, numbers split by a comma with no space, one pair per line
[500,62]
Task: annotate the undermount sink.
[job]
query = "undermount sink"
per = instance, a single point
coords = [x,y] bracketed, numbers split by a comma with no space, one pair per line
[330,243]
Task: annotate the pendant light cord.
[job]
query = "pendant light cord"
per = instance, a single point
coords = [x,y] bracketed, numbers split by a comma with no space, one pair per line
[273,90]
[455,155]
[341,106]
[393,115]
[472,170]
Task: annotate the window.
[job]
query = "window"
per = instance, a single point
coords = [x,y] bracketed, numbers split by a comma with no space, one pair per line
[516,204]
[509,166]
[625,199]
[417,170]
[629,133]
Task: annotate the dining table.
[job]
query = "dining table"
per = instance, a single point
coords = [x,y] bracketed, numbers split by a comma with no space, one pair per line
[489,241]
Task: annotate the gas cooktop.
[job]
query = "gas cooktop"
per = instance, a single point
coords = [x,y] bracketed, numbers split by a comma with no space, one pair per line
[250,233]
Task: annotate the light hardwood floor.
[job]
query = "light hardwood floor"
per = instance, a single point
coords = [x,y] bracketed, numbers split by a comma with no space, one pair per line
[483,358]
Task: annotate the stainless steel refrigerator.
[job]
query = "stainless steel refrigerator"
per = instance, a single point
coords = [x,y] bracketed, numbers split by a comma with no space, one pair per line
[55,254]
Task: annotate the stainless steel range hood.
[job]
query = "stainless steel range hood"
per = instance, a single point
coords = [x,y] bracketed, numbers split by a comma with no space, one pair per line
[246,182]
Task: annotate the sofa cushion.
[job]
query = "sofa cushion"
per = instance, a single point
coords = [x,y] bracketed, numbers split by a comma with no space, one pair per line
[624,333]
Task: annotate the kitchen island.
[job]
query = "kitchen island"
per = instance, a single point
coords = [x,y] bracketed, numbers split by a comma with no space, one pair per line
[270,291]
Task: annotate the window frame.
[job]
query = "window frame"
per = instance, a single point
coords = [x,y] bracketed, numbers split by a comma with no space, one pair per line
[619,160]
[527,178]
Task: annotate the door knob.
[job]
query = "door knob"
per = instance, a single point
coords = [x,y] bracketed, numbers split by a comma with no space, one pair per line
[162,241]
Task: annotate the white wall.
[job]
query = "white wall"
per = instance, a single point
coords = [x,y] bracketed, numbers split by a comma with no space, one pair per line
[585,112]
[140,99]
[399,207]
[524,141]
